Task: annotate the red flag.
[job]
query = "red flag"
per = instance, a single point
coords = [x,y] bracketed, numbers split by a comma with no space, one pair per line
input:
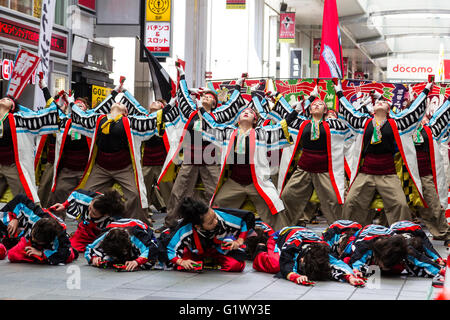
[24,66]
[331,51]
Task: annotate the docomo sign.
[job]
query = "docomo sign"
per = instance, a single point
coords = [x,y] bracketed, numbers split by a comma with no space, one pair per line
[7,67]
[411,69]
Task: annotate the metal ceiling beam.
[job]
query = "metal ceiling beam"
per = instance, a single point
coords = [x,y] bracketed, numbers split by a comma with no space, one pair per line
[363,17]
[433,51]
[354,18]
[380,55]
[417,34]
[409,11]
[396,52]
[363,51]
[370,40]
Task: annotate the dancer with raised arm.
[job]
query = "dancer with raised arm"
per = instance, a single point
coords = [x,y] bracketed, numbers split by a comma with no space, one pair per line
[378,138]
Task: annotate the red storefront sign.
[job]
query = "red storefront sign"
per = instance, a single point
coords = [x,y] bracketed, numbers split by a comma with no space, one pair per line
[89,4]
[27,34]
[7,67]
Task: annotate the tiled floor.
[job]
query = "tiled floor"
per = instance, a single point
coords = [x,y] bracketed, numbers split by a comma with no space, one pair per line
[78,281]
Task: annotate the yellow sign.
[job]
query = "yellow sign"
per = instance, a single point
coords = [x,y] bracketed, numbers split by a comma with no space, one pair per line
[157,10]
[99,94]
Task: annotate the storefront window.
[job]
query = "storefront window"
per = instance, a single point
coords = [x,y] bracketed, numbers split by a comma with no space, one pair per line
[24,6]
[61,12]
[34,8]
[99,56]
[37,8]
[60,83]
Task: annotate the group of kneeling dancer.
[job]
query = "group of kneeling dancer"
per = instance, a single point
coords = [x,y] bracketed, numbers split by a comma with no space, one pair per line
[346,158]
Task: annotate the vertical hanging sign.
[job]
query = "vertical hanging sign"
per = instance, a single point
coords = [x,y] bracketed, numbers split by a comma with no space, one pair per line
[344,67]
[287,27]
[316,50]
[235,4]
[45,41]
[158,27]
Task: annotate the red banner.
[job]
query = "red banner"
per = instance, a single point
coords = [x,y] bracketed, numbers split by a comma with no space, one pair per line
[249,88]
[357,90]
[330,65]
[292,89]
[287,27]
[24,67]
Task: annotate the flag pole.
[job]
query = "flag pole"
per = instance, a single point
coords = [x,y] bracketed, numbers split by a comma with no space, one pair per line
[341,53]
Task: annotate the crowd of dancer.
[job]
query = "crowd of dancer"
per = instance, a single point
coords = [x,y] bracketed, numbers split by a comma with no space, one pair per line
[202,161]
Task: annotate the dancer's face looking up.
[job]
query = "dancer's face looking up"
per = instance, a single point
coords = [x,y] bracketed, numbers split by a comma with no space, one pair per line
[156,106]
[119,109]
[318,107]
[6,104]
[247,116]
[381,106]
[208,101]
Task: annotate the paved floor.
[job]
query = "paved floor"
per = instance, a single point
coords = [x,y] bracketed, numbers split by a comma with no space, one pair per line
[78,281]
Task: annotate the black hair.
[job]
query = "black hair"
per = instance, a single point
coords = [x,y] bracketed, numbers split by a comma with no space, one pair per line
[117,245]
[45,230]
[193,211]
[85,100]
[390,251]
[413,243]
[345,237]
[316,262]
[109,203]
[252,242]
